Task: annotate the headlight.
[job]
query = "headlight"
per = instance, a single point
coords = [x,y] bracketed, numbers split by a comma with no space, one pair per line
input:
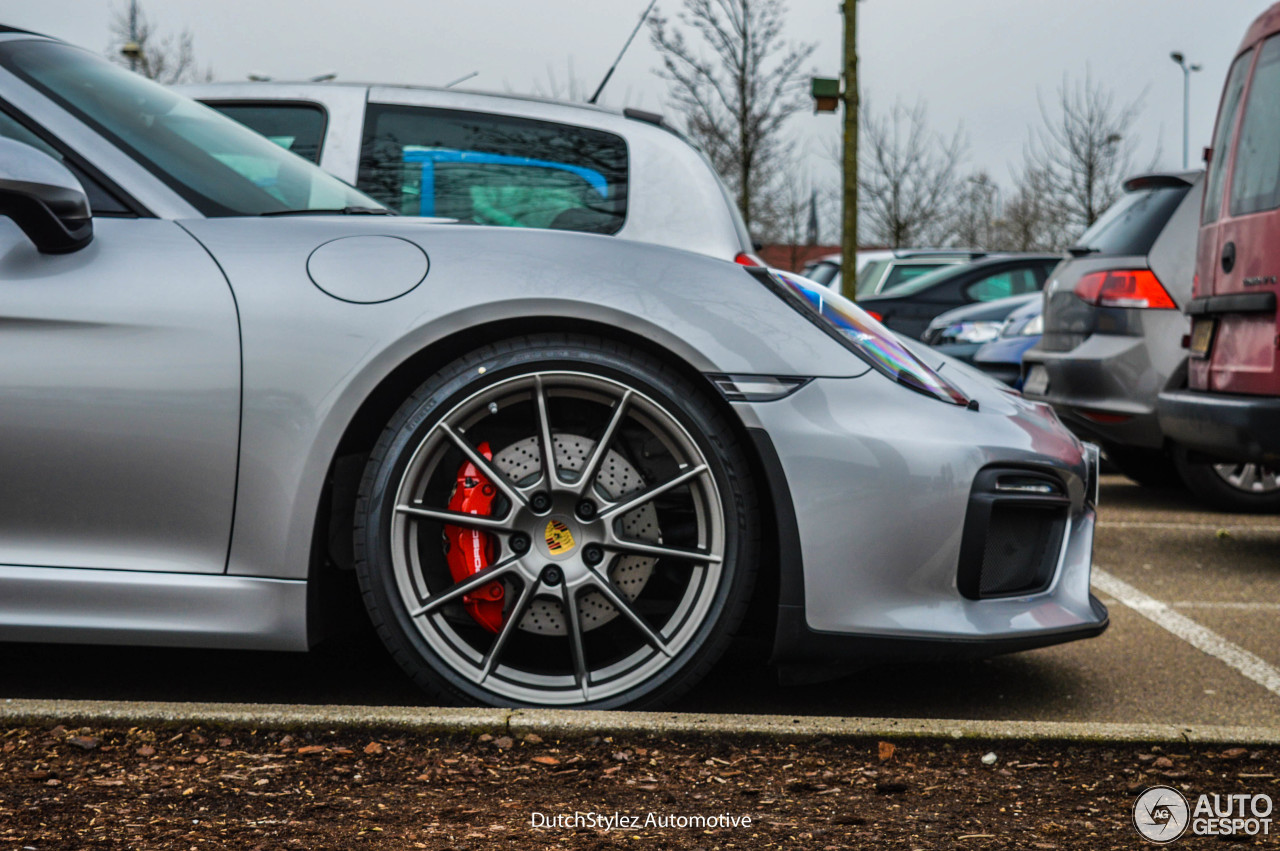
[1034,327]
[973,332]
[850,325]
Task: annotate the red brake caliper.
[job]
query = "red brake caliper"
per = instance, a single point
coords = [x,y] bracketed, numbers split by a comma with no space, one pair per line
[469,550]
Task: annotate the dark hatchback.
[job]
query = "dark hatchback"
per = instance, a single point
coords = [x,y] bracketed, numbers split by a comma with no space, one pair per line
[909,308]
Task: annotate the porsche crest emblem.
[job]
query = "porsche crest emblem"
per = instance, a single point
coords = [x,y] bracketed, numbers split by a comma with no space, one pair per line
[559,538]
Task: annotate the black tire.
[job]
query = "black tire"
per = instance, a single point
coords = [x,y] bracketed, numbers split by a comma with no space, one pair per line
[1150,468]
[1210,483]
[399,562]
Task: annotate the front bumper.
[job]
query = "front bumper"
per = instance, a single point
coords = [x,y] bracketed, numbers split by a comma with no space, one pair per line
[882,483]
[1107,375]
[1221,426]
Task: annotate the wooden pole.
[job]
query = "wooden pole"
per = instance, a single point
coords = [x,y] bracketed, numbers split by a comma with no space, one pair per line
[849,228]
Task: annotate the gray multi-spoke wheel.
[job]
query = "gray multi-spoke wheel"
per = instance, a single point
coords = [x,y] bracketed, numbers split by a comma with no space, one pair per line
[1250,478]
[615,548]
[1232,487]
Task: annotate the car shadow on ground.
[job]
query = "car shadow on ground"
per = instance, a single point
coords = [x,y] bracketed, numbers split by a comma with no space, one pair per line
[355,669]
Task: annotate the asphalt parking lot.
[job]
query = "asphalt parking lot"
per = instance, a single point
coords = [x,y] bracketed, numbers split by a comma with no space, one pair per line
[1194,639]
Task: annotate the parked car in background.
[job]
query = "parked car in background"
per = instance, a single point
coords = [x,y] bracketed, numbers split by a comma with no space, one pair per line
[881,271]
[910,307]
[962,331]
[499,159]
[826,270]
[554,464]
[1113,329]
[1001,358]
[1230,409]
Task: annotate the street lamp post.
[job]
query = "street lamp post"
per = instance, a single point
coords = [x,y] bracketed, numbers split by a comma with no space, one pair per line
[1181,61]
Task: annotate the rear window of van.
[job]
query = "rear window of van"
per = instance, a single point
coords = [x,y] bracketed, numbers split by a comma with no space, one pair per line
[494,169]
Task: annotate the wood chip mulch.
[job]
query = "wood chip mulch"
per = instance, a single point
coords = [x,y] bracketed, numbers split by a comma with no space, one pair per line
[198,788]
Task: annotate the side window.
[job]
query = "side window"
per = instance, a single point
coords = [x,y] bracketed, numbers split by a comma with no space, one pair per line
[1221,137]
[1002,285]
[494,170]
[100,200]
[296,127]
[1255,180]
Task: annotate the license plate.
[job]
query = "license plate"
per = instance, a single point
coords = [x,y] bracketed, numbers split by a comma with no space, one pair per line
[1202,337]
[1037,383]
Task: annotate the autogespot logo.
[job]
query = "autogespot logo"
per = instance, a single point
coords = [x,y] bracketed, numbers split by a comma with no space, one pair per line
[1161,814]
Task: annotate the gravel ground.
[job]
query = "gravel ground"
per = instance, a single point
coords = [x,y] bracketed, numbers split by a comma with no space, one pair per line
[201,788]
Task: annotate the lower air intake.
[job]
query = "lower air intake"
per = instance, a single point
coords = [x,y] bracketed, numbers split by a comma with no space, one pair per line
[1022,549]
[1013,533]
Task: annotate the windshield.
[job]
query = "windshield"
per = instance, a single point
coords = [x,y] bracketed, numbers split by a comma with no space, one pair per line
[221,167]
[823,272]
[870,275]
[923,281]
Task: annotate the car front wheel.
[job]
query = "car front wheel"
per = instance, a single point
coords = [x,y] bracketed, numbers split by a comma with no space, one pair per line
[557,521]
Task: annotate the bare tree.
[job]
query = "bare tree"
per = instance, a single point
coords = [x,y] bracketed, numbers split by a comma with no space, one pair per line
[1084,150]
[974,220]
[736,90]
[1032,220]
[166,59]
[794,205]
[908,180]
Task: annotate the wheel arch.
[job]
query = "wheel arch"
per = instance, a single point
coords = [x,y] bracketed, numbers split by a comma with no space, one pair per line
[334,520]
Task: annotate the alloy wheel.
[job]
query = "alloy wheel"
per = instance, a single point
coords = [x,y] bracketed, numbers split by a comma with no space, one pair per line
[606,534]
[1250,478]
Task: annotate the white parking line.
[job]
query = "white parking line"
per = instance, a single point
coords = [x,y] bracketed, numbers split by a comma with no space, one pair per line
[1205,640]
[1156,524]
[1238,607]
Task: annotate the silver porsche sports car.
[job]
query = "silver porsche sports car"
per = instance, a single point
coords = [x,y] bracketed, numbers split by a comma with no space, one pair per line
[561,465]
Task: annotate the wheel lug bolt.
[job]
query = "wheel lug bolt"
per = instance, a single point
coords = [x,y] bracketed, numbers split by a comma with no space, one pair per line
[593,554]
[586,509]
[519,543]
[540,502]
[551,575]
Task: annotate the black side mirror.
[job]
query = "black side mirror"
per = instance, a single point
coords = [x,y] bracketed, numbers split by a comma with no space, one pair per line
[44,199]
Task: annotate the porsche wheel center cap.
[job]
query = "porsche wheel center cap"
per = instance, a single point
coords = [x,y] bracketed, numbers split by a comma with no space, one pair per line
[558,540]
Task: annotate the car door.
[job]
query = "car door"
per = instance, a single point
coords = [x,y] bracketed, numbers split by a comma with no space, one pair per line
[1246,264]
[1007,281]
[119,394]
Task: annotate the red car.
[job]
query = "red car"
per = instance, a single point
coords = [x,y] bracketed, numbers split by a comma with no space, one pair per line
[1230,411]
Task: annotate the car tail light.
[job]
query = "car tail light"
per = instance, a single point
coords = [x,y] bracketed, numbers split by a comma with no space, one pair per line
[1124,288]
[746,259]
[877,317]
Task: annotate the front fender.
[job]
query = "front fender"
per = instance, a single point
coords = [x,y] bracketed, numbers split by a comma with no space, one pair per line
[310,360]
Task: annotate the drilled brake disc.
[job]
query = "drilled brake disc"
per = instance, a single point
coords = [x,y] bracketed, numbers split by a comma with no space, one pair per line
[523,462]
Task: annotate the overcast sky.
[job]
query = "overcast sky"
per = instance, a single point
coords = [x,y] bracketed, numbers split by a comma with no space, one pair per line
[979,64]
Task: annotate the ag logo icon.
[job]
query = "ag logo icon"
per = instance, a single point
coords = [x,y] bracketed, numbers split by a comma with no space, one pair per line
[1161,814]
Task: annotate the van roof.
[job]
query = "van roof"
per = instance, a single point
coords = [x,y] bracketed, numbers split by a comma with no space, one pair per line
[1263,25]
